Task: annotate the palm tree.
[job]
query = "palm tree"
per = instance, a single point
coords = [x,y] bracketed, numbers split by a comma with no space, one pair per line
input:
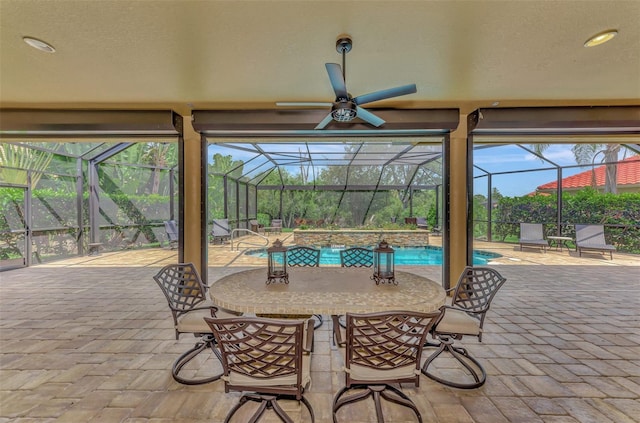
[586,154]
[18,159]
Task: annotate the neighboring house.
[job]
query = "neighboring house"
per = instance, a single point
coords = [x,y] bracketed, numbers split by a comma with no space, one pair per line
[628,179]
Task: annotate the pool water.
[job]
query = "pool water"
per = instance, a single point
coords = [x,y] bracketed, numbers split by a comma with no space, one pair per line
[408,256]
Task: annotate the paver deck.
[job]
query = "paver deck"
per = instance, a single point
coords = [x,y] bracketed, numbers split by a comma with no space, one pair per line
[91,339]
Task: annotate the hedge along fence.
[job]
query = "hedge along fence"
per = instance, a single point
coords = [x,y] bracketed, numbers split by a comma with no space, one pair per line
[620,213]
[120,212]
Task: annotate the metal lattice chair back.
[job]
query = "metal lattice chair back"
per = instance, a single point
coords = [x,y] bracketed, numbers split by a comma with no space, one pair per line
[182,286]
[383,349]
[385,341]
[265,357]
[356,257]
[302,256]
[171,229]
[475,289]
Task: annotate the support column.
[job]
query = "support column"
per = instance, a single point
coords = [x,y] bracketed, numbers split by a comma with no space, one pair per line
[458,202]
[192,226]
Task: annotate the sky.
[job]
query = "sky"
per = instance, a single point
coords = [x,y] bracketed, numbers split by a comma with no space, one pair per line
[496,159]
[511,158]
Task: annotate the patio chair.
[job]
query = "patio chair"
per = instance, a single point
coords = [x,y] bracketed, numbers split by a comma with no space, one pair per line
[220,230]
[531,234]
[591,238]
[276,226]
[171,229]
[356,257]
[266,360]
[383,349]
[421,223]
[472,297]
[302,256]
[255,226]
[186,294]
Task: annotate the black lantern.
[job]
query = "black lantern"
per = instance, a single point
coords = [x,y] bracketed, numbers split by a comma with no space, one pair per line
[383,264]
[277,256]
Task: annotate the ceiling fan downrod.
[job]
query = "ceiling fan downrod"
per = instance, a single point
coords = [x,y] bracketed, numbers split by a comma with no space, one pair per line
[343,46]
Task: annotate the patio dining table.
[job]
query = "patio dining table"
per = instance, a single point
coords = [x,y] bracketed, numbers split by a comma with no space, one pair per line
[326,291]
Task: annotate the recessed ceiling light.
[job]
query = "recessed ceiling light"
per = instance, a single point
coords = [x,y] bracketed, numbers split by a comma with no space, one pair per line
[601,38]
[39,44]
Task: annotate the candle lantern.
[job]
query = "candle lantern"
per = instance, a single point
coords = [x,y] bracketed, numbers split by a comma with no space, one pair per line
[383,264]
[277,261]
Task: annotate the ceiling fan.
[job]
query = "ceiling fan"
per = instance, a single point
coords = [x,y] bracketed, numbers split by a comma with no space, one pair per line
[345,108]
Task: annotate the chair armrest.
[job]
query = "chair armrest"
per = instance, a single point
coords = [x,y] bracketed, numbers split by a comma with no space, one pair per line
[337,332]
[310,327]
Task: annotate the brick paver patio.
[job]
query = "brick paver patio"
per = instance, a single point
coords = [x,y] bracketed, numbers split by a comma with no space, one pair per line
[90,339]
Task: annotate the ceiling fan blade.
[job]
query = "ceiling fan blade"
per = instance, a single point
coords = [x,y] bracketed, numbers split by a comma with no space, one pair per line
[337,80]
[388,93]
[302,104]
[368,117]
[324,122]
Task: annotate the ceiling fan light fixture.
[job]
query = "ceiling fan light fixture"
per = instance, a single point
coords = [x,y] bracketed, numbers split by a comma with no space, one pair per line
[344,111]
[39,44]
[601,38]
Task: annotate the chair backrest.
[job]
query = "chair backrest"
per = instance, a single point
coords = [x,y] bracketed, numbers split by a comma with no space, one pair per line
[220,228]
[590,235]
[172,230]
[261,354]
[379,343]
[533,231]
[421,220]
[356,257]
[254,225]
[475,290]
[276,223]
[182,286]
[302,256]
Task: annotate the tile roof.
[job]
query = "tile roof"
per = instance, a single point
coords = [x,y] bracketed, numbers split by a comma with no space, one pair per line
[628,174]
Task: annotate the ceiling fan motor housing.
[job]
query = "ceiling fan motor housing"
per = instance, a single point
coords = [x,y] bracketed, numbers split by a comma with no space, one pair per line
[343,111]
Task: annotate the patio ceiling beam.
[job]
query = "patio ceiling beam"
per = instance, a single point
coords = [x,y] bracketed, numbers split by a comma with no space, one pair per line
[598,120]
[30,123]
[295,123]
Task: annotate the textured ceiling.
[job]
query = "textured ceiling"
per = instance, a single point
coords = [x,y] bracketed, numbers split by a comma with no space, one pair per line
[234,54]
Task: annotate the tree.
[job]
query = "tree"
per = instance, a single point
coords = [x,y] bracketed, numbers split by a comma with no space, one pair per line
[16,160]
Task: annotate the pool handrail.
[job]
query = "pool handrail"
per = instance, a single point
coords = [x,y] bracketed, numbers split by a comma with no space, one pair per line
[250,232]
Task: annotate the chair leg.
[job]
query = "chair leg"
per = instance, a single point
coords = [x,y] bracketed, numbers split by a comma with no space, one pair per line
[473,367]
[266,402]
[207,341]
[318,321]
[387,392]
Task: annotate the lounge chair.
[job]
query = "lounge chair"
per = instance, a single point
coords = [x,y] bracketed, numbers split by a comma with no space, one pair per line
[421,223]
[591,238]
[531,234]
[276,226]
[256,226]
[220,231]
[172,233]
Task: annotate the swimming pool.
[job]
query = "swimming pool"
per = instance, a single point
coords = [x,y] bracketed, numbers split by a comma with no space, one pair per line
[408,256]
